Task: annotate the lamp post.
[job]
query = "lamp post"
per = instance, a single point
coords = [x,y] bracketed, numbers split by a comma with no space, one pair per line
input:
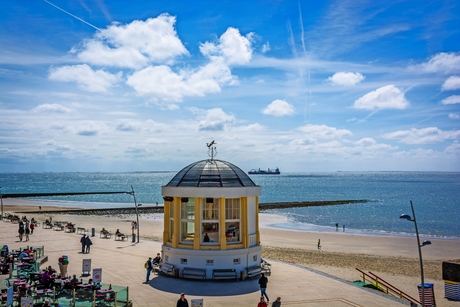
[137,212]
[426,242]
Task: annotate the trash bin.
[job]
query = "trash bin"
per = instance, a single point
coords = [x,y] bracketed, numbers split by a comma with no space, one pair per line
[452,290]
[134,238]
[429,294]
[243,275]
[93,232]
[176,273]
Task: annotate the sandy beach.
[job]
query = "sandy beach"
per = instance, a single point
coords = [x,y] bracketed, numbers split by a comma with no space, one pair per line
[393,258]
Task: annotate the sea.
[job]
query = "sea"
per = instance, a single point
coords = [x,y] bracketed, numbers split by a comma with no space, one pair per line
[435,197]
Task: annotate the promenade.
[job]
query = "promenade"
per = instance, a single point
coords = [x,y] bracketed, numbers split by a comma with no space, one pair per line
[122,264]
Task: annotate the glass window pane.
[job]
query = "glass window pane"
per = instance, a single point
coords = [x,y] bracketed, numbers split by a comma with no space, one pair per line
[210,232]
[171,229]
[187,232]
[188,209]
[232,232]
[211,210]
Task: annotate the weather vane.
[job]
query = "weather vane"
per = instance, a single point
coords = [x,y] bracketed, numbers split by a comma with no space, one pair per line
[212,151]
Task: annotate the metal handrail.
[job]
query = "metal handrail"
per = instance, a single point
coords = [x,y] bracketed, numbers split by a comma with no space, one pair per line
[377,280]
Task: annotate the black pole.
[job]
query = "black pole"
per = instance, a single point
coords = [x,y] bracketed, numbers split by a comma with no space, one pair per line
[419,255]
[137,212]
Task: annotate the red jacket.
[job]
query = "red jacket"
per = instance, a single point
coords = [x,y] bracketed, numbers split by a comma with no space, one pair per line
[262,304]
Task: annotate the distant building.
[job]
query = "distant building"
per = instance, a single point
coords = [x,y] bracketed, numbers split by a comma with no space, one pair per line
[211,218]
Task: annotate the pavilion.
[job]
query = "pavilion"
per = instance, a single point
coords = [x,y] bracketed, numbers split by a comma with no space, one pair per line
[211,218]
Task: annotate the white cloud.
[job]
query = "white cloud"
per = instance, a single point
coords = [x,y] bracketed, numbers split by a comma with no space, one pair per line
[387,97]
[453,149]
[366,142]
[134,45]
[89,128]
[324,132]
[232,48]
[444,62]
[160,83]
[279,108]
[452,83]
[422,136]
[265,47]
[251,128]
[454,99]
[215,120]
[454,116]
[346,78]
[136,125]
[52,108]
[86,78]
[129,125]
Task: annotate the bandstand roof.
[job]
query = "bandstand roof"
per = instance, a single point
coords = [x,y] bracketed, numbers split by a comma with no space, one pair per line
[211,173]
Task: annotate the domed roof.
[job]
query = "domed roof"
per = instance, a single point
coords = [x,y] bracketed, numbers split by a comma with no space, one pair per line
[211,173]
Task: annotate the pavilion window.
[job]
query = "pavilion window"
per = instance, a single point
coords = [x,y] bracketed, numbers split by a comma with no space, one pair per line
[171,220]
[233,220]
[187,215]
[210,221]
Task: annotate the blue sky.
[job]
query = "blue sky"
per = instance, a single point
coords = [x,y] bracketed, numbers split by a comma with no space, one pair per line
[306,86]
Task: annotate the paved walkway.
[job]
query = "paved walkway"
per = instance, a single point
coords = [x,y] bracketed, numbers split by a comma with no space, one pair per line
[122,264]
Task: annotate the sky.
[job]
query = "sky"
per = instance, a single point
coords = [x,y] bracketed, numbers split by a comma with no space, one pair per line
[306,86]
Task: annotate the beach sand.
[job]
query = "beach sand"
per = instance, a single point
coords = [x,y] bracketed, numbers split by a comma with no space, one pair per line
[392,258]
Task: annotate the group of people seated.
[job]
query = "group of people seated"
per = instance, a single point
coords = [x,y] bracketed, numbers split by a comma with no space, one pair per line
[47,278]
[26,253]
[71,227]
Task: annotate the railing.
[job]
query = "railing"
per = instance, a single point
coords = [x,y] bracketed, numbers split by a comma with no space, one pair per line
[387,287]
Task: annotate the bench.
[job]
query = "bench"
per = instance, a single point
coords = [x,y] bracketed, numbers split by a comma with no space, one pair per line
[58,227]
[69,228]
[120,237]
[105,234]
[155,268]
[253,271]
[81,230]
[224,274]
[265,267]
[167,269]
[193,273]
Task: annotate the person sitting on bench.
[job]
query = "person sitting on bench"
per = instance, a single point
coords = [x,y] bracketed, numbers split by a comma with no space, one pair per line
[156,260]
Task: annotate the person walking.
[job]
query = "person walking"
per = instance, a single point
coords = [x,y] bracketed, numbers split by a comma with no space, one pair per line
[27,232]
[319,243]
[277,302]
[182,302]
[21,233]
[83,243]
[88,244]
[148,266]
[263,281]
[32,227]
[262,302]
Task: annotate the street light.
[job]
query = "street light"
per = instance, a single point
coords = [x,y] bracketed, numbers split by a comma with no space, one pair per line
[426,242]
[137,212]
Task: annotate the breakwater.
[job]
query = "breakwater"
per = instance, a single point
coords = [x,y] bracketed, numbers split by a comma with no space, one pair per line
[160,209]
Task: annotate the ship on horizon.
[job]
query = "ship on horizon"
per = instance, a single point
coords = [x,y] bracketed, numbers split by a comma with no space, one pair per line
[275,171]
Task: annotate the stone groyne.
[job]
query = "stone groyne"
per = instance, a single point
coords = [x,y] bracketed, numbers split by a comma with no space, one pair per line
[159,209]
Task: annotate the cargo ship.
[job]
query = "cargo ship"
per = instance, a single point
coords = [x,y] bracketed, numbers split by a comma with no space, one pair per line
[275,171]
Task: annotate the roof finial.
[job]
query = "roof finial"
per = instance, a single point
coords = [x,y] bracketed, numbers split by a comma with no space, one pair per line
[212,151]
